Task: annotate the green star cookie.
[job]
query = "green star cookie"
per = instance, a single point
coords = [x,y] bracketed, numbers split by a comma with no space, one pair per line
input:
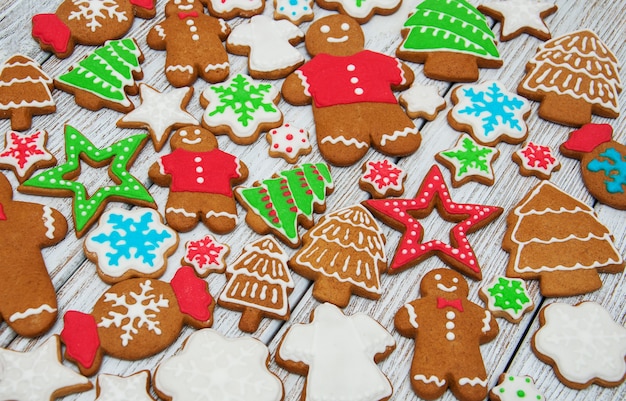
[469,161]
[60,181]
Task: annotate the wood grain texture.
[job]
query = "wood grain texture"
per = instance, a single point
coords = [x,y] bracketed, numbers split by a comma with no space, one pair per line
[78,286]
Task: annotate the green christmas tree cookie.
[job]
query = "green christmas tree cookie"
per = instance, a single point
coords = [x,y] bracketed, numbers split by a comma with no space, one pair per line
[276,205]
[451,38]
[105,77]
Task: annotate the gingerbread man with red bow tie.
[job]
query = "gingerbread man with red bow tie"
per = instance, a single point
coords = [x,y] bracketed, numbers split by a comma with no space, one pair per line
[448,330]
[193,41]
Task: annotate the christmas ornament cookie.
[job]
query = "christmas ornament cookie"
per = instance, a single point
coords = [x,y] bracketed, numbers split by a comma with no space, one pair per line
[558,240]
[259,284]
[382,179]
[234,368]
[344,254]
[278,204]
[515,388]
[537,160]
[269,46]
[602,162]
[87,22]
[588,328]
[25,153]
[288,142]
[569,95]
[63,179]
[520,16]
[241,108]
[469,161]
[351,93]
[490,113]
[229,9]
[136,318]
[312,349]
[28,302]
[105,77]
[507,297]
[25,91]
[206,255]
[422,101]
[115,388]
[451,38]
[160,113]
[361,11]
[200,177]
[296,11]
[404,214]
[20,381]
[130,243]
[448,330]
[193,42]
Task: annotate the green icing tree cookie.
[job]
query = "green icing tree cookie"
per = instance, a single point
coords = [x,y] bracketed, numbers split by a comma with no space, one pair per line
[451,38]
[279,203]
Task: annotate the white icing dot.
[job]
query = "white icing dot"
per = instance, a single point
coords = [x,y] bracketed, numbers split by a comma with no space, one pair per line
[193,29]
[199,169]
[449,325]
[324,29]
[195,37]
[189,22]
[437,277]
[354,80]
[450,336]
[350,67]
[197,159]
[450,315]
[358,91]
[200,180]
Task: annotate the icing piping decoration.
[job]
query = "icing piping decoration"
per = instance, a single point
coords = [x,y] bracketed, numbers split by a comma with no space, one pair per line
[432,379]
[242,361]
[516,388]
[31,312]
[508,295]
[520,16]
[206,255]
[242,7]
[434,193]
[537,159]
[87,207]
[469,159]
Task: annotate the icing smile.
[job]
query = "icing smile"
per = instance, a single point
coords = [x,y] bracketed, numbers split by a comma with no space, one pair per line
[446,289]
[337,40]
[192,141]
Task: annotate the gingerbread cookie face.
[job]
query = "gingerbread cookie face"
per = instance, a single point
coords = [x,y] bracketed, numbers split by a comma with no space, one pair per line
[234,368]
[311,349]
[442,322]
[537,160]
[130,243]
[269,45]
[206,255]
[559,240]
[26,153]
[507,297]
[569,95]
[519,16]
[361,11]
[382,179]
[451,38]
[241,108]
[490,113]
[137,318]
[25,91]
[587,327]
[469,161]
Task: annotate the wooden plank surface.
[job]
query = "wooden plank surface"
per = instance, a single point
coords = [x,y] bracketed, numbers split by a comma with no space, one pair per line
[78,286]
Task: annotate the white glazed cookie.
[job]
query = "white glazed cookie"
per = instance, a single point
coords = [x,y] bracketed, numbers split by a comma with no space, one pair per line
[25,153]
[206,255]
[422,101]
[515,388]
[288,142]
[296,11]
[520,16]
[382,179]
[362,11]
[115,388]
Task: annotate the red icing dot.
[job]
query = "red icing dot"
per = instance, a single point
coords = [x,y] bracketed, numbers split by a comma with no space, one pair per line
[289,137]
[289,149]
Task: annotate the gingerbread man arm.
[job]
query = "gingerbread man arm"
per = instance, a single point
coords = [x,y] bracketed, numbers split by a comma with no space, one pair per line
[490,328]
[243,173]
[156,36]
[221,27]
[55,226]
[294,90]
[406,321]
[409,77]
[157,175]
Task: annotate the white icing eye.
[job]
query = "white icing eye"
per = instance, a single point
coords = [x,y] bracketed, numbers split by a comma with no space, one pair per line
[177,2]
[197,132]
[455,280]
[437,277]
[324,29]
[190,1]
[345,26]
[182,133]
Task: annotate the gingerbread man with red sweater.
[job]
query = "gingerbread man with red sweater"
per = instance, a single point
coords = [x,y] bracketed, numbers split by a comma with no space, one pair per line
[200,177]
[448,330]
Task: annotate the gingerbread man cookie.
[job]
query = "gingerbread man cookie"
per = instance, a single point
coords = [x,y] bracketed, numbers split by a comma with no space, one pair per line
[448,330]
[27,297]
[200,177]
[350,89]
[193,41]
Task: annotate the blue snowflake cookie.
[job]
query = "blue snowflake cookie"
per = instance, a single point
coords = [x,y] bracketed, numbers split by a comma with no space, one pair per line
[130,243]
[490,113]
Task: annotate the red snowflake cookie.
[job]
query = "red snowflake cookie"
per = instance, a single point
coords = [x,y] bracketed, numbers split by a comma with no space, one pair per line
[537,160]
[382,178]
[26,153]
[206,255]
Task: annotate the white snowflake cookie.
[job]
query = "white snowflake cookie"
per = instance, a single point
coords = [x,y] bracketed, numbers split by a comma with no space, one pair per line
[490,113]
[382,179]
[288,142]
[227,369]
[583,344]
[130,243]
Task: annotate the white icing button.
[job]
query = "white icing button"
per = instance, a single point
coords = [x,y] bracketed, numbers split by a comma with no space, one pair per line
[354,80]
[193,28]
[350,67]
[199,169]
[449,325]
[450,336]
[358,91]
[450,315]
[195,37]
[200,180]
[197,159]
[189,22]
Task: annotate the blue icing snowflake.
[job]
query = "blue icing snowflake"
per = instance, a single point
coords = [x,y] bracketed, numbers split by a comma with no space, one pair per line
[492,112]
[613,164]
[131,240]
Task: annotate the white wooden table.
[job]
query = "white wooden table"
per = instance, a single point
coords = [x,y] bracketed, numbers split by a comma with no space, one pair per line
[78,286]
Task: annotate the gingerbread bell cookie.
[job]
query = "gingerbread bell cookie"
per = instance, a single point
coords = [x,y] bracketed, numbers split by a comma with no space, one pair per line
[602,162]
[28,302]
[200,177]
[448,330]
[136,318]
[351,92]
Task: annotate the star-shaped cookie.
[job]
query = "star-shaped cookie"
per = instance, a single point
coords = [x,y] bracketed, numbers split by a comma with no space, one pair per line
[62,180]
[160,113]
[469,161]
[114,388]
[24,153]
[404,214]
[38,375]
[520,16]
[422,101]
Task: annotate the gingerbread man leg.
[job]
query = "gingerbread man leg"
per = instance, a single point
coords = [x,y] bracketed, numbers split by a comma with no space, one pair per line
[393,132]
[182,211]
[470,387]
[219,213]
[342,137]
[181,74]
[428,385]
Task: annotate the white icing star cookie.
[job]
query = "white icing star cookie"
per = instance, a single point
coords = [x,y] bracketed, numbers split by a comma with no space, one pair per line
[422,101]
[288,142]
[116,388]
[520,16]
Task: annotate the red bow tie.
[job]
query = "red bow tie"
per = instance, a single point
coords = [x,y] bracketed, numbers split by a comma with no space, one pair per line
[454,303]
[192,14]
